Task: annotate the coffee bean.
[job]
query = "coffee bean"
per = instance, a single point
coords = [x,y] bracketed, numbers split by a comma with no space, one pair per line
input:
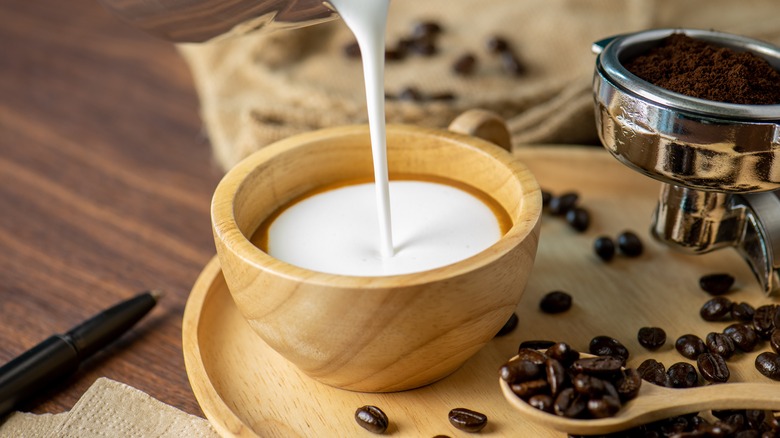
[743,335]
[555,302]
[578,218]
[774,340]
[629,244]
[556,376]
[559,205]
[465,65]
[509,326]
[395,54]
[628,384]
[604,247]
[651,338]
[372,419]
[776,321]
[512,64]
[720,343]
[742,312]
[352,50]
[530,388]
[411,94]
[682,375]
[520,370]
[763,320]
[607,346]
[426,29]
[543,402]
[654,372]
[755,418]
[768,364]
[467,420]
[442,96]
[598,366]
[425,46]
[536,344]
[716,284]
[690,346]
[713,367]
[569,404]
[563,353]
[603,407]
[546,197]
[497,44]
[716,309]
[588,385]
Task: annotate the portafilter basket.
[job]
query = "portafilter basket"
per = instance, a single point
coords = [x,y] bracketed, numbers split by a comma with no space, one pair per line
[719,162]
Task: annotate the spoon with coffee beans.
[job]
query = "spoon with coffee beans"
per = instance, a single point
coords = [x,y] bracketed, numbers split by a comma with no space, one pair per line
[582,394]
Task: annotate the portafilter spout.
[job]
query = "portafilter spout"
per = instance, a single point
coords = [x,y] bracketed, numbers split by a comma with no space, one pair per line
[719,162]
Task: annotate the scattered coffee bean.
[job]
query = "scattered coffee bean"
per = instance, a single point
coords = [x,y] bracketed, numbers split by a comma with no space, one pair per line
[561,204]
[716,284]
[396,54]
[442,96]
[768,364]
[512,64]
[563,353]
[467,420]
[465,65]
[578,218]
[411,94]
[774,340]
[713,367]
[555,302]
[546,197]
[763,320]
[509,326]
[743,335]
[425,46]
[497,44]
[629,244]
[682,375]
[654,372]
[372,419]
[721,344]
[742,312]
[690,346]
[716,309]
[536,344]
[651,338]
[607,346]
[426,29]
[352,50]
[604,247]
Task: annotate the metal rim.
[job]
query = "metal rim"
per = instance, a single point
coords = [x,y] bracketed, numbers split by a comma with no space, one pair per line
[611,68]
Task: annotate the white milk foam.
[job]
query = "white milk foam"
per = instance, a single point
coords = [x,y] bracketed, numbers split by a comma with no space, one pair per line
[335,231]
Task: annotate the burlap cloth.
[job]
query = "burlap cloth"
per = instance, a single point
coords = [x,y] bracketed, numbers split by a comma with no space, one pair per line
[109,409]
[264,87]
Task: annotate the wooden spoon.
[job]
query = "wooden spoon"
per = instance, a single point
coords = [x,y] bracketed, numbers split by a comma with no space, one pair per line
[656,403]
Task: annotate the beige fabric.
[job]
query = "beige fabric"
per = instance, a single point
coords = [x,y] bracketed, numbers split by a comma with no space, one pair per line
[110,409]
[261,88]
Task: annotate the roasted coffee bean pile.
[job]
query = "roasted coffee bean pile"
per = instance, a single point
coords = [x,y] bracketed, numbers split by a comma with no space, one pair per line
[422,40]
[726,424]
[414,94]
[566,205]
[557,380]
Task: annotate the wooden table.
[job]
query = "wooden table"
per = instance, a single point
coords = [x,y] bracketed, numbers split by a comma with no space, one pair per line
[105,182]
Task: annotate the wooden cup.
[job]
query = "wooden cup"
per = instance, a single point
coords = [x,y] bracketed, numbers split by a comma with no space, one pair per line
[375,334]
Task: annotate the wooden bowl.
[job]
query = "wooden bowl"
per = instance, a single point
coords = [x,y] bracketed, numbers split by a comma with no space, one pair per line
[374,334]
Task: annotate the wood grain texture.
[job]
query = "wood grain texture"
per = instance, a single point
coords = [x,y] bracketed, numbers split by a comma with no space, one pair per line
[380,333]
[105,183]
[246,389]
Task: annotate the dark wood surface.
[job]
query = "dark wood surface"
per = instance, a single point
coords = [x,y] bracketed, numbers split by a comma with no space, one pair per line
[105,183]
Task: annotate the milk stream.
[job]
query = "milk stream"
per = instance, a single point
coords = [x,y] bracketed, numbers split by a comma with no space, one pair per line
[367,19]
[335,231]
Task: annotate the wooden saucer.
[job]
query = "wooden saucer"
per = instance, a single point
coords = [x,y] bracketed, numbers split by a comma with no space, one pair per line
[246,389]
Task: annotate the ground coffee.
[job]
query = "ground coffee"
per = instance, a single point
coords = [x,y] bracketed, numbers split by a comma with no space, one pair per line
[700,69]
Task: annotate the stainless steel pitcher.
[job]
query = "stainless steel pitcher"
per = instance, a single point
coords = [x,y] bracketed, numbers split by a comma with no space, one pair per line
[203,20]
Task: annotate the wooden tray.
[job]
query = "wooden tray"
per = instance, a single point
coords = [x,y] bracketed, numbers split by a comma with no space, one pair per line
[246,389]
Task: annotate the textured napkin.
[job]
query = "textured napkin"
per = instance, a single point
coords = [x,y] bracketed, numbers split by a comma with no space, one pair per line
[110,409]
[267,86]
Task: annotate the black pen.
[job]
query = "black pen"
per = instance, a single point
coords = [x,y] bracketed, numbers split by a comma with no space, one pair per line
[60,355]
